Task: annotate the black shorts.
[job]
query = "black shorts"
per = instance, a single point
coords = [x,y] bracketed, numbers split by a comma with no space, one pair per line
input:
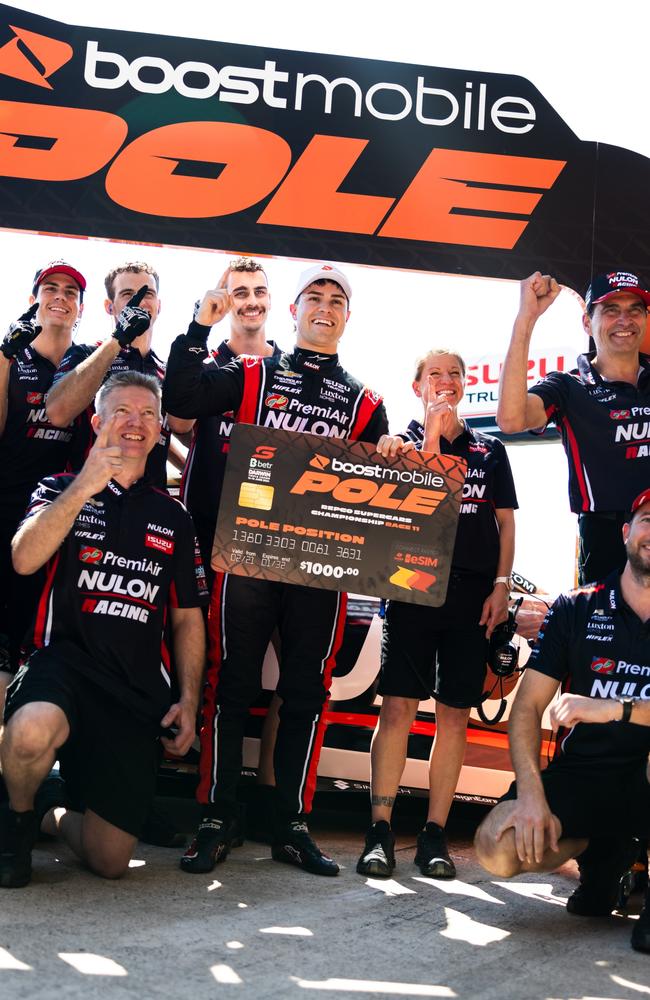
[110,759]
[439,652]
[589,800]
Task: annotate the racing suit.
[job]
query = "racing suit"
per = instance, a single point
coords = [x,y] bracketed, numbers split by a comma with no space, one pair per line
[299,391]
[30,448]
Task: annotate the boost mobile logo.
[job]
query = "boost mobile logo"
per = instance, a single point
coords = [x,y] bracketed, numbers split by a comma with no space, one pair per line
[32,58]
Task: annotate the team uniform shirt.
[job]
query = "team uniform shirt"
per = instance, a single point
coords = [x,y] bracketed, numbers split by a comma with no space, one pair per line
[488,486]
[129,359]
[206,460]
[30,446]
[129,557]
[297,391]
[595,645]
[605,429]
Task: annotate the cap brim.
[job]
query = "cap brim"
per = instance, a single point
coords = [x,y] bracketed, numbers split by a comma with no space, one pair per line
[639,292]
[67,269]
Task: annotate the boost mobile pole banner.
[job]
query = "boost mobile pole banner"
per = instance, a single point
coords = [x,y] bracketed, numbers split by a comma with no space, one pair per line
[325,512]
[177,141]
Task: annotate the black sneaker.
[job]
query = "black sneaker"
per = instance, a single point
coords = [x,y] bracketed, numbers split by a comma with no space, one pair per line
[640,939]
[213,840]
[295,847]
[17,837]
[432,854]
[603,865]
[378,855]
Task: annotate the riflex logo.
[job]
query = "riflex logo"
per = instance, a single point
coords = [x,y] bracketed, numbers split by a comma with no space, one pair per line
[33,58]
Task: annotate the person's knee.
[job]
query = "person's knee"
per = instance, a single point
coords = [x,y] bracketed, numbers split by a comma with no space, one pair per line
[108,867]
[499,857]
[27,737]
[396,713]
[452,719]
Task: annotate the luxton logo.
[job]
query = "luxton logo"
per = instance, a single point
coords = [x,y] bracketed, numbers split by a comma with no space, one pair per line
[319,461]
[619,414]
[33,58]
[275,401]
[602,665]
[89,554]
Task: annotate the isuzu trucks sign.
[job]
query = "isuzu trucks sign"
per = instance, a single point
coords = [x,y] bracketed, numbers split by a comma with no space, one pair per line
[195,143]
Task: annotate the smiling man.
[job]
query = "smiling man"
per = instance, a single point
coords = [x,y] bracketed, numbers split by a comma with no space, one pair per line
[244,611]
[601,408]
[30,446]
[122,566]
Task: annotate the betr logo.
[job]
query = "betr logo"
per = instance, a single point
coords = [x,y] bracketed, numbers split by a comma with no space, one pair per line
[33,58]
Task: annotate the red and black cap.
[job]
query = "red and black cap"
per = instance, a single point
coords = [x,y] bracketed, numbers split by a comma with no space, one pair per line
[604,285]
[640,501]
[59,267]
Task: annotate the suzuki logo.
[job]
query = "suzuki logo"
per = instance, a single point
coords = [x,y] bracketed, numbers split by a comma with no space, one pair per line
[32,58]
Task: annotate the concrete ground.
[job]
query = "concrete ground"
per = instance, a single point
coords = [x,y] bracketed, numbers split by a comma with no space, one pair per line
[256,928]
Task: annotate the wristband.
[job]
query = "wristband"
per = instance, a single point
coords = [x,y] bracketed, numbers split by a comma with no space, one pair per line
[628,704]
[503,579]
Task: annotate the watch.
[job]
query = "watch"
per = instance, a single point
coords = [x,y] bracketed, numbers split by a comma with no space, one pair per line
[628,704]
[504,579]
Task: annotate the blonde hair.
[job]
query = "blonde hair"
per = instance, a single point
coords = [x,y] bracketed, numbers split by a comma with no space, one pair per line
[420,363]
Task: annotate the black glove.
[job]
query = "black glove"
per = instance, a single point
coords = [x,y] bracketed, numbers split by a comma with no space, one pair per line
[21,333]
[133,320]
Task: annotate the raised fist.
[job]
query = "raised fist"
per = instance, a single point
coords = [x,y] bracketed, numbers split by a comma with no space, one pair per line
[21,333]
[133,321]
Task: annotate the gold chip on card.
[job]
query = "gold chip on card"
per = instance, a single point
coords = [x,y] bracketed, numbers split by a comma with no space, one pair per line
[257,496]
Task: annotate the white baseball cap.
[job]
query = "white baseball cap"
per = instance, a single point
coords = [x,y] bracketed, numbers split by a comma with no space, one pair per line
[319,272]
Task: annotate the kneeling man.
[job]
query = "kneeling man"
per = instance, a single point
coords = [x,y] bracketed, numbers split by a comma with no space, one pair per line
[123,573]
[594,797]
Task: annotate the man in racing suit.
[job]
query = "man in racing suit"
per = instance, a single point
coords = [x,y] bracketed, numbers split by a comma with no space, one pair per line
[122,567]
[30,446]
[244,612]
[595,644]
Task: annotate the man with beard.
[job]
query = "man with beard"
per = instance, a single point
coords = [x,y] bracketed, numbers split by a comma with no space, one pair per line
[594,643]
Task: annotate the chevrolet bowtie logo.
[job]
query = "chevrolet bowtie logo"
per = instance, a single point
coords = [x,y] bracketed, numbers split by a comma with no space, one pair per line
[32,58]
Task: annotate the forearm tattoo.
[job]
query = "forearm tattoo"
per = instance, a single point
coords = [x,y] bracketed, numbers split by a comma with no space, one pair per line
[382,800]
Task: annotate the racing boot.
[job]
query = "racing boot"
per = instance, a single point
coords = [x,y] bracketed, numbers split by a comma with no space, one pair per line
[294,846]
[602,865]
[211,845]
[432,854]
[17,837]
[378,855]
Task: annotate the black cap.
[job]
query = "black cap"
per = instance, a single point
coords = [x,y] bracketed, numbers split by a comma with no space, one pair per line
[604,285]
